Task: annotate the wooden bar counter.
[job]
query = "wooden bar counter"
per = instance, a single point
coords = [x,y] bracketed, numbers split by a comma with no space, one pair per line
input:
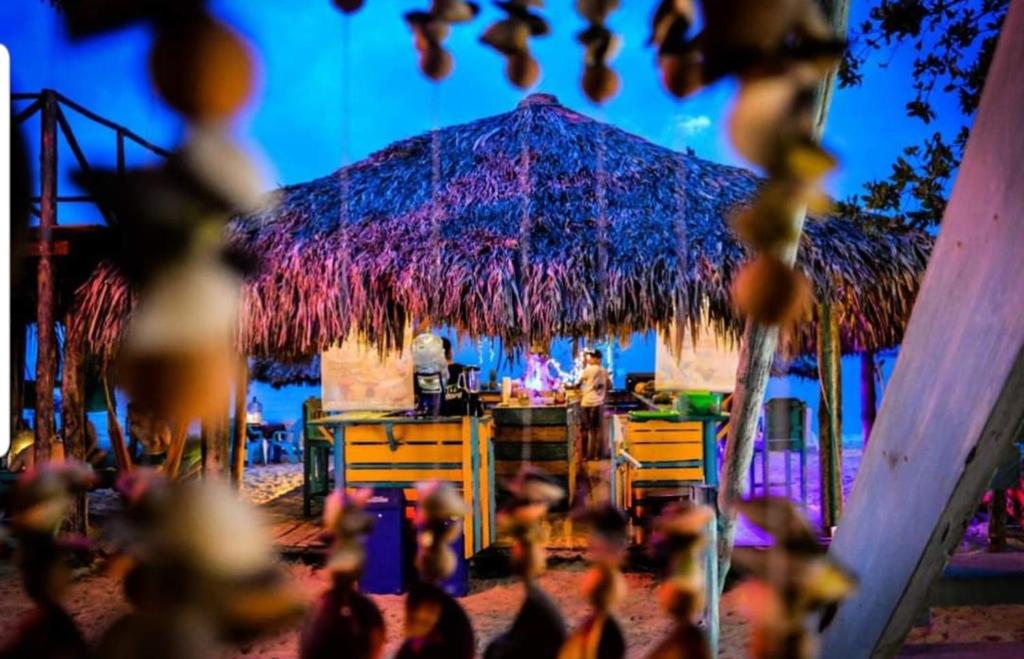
[379,450]
[541,435]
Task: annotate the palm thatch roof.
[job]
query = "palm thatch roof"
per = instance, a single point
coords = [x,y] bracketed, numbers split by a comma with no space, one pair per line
[535,223]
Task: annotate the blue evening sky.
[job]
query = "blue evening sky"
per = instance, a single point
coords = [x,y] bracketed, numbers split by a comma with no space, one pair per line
[307,121]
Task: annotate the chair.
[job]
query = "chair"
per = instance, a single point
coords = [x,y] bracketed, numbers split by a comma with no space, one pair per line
[284,447]
[316,455]
[255,446]
[784,428]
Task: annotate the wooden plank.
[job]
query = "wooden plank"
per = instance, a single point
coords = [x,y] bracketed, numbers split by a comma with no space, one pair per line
[953,404]
[653,474]
[509,468]
[46,342]
[403,432]
[422,453]
[355,477]
[527,434]
[666,452]
[469,526]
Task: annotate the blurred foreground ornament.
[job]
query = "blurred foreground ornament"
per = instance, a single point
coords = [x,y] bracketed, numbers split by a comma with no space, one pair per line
[679,542]
[202,68]
[599,635]
[343,617]
[538,630]
[792,582]
[431,28]
[348,6]
[510,36]
[770,292]
[202,569]
[435,623]
[600,82]
[39,503]
[679,60]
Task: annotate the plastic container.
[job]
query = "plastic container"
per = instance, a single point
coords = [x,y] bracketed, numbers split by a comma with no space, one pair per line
[702,403]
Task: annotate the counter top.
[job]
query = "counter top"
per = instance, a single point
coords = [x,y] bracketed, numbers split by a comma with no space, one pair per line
[370,418]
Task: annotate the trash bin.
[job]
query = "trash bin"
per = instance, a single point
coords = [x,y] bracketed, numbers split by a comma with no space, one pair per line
[384,572]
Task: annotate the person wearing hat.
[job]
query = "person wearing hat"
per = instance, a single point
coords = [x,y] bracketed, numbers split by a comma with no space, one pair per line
[594,386]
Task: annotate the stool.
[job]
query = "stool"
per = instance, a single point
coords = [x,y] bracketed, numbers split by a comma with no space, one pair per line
[784,428]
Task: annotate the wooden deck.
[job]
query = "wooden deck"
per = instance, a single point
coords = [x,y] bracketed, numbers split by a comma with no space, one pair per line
[294,535]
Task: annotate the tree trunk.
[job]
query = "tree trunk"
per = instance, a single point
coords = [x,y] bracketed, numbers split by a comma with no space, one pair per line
[830,420]
[868,394]
[46,353]
[72,415]
[758,351]
[238,454]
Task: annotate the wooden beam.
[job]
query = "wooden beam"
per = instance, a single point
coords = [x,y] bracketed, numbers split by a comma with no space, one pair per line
[72,415]
[239,434]
[954,402]
[46,352]
[830,420]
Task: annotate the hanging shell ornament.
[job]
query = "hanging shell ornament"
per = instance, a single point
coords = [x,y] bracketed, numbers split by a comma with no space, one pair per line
[538,630]
[202,567]
[435,623]
[791,583]
[770,292]
[431,28]
[599,82]
[742,34]
[348,6]
[343,617]
[202,68]
[599,634]
[38,504]
[679,59]
[679,542]
[510,36]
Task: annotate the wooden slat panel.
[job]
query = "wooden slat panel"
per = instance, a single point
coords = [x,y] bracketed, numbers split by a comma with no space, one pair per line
[422,453]
[356,476]
[543,452]
[528,434]
[668,474]
[467,486]
[667,452]
[507,468]
[660,431]
[407,432]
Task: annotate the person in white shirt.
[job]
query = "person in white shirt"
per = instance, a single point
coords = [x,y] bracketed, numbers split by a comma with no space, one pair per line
[594,386]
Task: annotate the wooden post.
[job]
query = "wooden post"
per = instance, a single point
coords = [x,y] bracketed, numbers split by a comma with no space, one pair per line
[868,394]
[121,456]
[214,437]
[239,434]
[952,407]
[757,352]
[46,354]
[830,424]
[17,372]
[72,414]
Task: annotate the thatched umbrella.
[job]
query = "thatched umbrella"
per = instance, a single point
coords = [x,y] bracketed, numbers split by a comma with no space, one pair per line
[532,224]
